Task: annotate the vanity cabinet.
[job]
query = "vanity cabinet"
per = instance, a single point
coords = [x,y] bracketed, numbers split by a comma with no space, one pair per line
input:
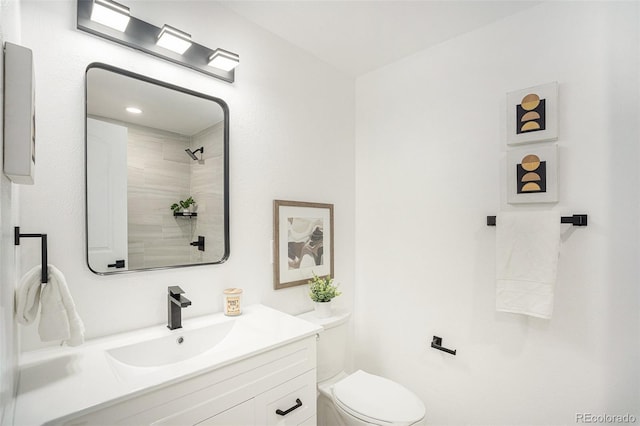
[263,409]
[251,391]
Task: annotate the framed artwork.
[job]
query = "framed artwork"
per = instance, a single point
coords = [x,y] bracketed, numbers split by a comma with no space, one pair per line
[303,242]
[532,114]
[532,174]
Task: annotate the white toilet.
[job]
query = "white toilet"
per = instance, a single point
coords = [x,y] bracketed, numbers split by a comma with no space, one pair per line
[359,398]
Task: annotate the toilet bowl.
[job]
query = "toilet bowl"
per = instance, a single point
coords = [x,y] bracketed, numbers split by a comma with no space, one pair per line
[359,398]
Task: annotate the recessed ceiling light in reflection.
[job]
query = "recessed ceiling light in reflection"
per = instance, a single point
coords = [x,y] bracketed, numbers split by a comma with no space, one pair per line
[133,110]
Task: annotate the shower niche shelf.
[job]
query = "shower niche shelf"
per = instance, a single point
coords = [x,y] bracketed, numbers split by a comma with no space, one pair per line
[185,214]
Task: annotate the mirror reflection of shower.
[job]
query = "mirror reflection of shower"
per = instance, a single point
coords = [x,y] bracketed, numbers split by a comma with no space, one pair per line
[192,154]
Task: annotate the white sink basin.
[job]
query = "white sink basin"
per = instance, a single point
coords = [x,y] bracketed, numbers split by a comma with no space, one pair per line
[178,346]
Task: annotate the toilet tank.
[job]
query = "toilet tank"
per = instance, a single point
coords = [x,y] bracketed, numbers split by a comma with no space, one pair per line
[332,342]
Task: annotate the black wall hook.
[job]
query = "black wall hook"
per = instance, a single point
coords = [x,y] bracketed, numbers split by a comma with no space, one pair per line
[436,343]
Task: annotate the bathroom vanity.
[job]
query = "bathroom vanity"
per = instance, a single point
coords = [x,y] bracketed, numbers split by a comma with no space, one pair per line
[255,369]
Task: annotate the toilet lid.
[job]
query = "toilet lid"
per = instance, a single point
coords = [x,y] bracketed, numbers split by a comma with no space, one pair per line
[377,398]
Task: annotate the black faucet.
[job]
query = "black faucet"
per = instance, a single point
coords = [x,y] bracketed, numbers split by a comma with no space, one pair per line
[176,301]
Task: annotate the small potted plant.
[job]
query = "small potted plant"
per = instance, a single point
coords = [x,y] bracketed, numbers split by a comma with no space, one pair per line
[322,291]
[187,205]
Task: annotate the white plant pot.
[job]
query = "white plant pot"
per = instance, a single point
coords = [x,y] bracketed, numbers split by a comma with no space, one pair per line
[323,309]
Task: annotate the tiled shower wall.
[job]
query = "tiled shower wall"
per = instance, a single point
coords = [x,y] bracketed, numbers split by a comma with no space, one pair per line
[207,185]
[158,176]
[160,173]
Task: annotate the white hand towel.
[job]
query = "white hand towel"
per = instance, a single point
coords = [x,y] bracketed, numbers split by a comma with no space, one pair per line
[28,297]
[527,250]
[59,319]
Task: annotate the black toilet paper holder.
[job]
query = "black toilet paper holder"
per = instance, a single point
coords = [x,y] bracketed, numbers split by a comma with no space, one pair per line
[436,343]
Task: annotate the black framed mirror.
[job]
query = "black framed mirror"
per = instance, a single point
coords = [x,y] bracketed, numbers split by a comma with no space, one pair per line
[157,174]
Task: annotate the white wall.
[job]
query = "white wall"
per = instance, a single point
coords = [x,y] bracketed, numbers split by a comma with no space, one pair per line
[292,137]
[9,31]
[429,157]
[430,150]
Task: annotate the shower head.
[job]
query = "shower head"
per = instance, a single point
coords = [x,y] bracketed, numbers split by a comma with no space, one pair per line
[192,154]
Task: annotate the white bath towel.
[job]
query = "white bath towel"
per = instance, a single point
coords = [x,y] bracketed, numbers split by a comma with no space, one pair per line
[527,250]
[59,319]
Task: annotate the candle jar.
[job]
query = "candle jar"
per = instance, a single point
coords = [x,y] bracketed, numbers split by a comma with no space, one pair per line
[231,301]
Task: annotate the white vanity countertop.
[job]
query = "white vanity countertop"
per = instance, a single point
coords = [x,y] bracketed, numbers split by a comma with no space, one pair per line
[57,382]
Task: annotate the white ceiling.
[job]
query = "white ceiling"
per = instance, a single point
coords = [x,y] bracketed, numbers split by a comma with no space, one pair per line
[358,36]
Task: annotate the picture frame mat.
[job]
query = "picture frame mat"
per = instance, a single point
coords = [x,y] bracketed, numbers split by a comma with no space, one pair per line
[283,275]
[549,92]
[548,153]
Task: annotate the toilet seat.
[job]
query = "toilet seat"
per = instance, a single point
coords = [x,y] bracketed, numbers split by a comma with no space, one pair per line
[377,400]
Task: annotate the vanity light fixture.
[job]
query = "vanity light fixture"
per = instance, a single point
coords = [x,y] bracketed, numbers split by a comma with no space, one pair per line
[224,60]
[111,14]
[167,43]
[174,39]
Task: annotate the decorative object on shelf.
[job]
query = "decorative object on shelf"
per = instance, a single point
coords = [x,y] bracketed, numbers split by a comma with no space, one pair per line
[303,242]
[322,291]
[232,301]
[532,114]
[532,175]
[113,21]
[184,206]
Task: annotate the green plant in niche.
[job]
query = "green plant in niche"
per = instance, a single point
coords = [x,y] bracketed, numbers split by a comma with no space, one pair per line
[322,289]
[182,204]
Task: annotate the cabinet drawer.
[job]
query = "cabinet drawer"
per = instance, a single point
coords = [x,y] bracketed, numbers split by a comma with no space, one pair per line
[240,415]
[311,421]
[296,398]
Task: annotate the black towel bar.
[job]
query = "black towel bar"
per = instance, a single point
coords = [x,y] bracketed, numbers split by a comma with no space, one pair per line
[44,278]
[575,220]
